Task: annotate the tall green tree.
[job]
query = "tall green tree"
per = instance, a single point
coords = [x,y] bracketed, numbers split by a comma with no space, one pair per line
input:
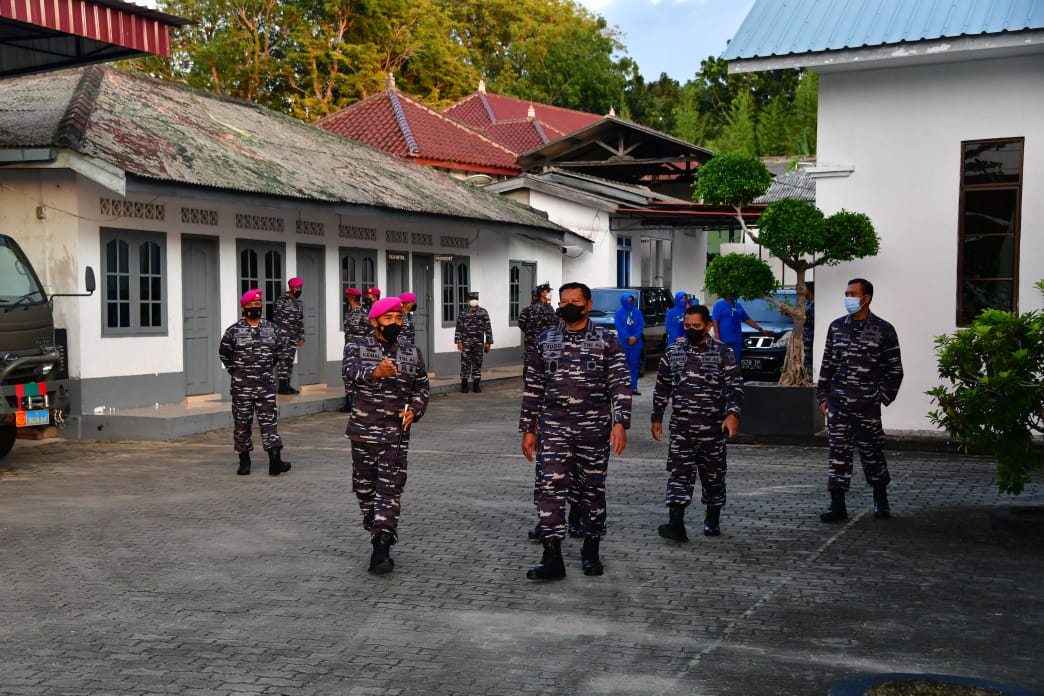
[739,134]
[774,129]
[805,114]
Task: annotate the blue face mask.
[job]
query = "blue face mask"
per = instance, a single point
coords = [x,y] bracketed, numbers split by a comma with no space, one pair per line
[852,304]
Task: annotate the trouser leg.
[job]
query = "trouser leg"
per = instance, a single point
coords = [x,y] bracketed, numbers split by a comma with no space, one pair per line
[592,464]
[267,414]
[839,436]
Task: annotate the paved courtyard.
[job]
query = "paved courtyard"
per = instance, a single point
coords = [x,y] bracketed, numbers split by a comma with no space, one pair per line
[151,568]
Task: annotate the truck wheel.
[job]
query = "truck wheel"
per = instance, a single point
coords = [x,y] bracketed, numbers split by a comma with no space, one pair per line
[8,433]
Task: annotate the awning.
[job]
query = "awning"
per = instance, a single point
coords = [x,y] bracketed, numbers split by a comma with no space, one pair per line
[39,35]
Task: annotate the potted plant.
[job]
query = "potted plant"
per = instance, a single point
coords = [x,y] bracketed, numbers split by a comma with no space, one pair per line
[994,396]
[802,237]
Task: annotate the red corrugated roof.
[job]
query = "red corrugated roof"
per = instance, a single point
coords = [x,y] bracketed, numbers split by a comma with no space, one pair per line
[399,125]
[481,109]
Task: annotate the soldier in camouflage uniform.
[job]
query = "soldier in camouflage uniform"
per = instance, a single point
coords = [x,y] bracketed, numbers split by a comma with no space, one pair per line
[288,316]
[249,350]
[577,397]
[861,371]
[536,318]
[533,321]
[701,379]
[409,302]
[390,382]
[355,325]
[473,337]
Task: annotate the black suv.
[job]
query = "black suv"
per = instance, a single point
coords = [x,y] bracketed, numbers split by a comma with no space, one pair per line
[654,302]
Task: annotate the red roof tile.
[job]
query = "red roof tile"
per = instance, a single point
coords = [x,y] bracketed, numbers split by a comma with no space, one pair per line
[399,125]
[481,109]
[522,136]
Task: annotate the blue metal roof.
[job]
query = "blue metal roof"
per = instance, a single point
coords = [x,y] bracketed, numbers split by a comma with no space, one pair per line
[787,27]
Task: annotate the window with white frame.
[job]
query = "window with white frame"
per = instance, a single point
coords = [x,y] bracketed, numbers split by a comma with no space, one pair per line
[134,271]
[456,280]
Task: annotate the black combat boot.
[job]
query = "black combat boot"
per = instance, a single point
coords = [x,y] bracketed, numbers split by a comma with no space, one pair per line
[534,533]
[290,389]
[244,464]
[276,465]
[573,524]
[476,386]
[589,560]
[551,566]
[464,386]
[881,509]
[347,408]
[284,387]
[675,527]
[836,512]
[380,560]
[711,523]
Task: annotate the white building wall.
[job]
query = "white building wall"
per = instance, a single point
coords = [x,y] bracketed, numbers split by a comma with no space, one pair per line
[901,130]
[597,268]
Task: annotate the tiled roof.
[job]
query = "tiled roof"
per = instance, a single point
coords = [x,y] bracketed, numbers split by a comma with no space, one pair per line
[399,125]
[480,109]
[162,131]
[787,27]
[521,135]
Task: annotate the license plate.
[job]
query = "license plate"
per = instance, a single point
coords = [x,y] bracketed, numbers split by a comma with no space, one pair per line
[27,418]
[751,363]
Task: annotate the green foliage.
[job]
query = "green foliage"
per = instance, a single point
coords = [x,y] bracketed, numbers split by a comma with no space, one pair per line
[795,232]
[731,178]
[739,275]
[739,132]
[790,229]
[994,391]
[774,126]
[848,236]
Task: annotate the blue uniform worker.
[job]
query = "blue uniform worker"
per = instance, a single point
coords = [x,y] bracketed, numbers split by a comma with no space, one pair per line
[630,324]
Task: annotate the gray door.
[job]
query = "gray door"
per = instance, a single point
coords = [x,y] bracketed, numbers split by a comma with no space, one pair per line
[199,300]
[309,367]
[424,288]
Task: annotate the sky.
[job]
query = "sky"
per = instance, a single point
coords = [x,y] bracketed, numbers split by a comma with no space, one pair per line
[672,36]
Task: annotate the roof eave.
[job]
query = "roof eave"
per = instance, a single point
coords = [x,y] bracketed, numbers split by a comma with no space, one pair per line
[906,53]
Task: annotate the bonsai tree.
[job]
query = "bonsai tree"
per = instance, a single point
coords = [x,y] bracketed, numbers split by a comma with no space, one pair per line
[995,396]
[796,232]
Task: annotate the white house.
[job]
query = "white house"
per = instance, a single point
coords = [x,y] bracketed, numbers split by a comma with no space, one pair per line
[930,122]
[181,200]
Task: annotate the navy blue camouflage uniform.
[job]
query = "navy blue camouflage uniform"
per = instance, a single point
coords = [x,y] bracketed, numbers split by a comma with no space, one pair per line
[378,467]
[861,371]
[356,324]
[249,353]
[409,329]
[533,321]
[473,331]
[576,387]
[288,316]
[704,385]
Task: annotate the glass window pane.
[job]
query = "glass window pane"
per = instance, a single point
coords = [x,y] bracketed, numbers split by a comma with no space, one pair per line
[110,287]
[157,314]
[112,312]
[993,162]
[984,294]
[987,212]
[991,256]
[124,314]
[110,257]
[143,314]
[124,287]
[123,263]
[143,290]
[157,289]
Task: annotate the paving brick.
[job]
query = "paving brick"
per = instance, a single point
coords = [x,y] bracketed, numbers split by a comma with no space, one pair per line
[151,568]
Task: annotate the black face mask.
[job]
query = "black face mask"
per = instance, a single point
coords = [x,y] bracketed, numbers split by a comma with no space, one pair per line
[252,312]
[390,332]
[295,294]
[571,313]
[695,335]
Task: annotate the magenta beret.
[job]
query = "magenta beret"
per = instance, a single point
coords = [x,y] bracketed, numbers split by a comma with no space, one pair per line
[388,304]
[353,291]
[408,297]
[250,296]
[373,291]
[295,282]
